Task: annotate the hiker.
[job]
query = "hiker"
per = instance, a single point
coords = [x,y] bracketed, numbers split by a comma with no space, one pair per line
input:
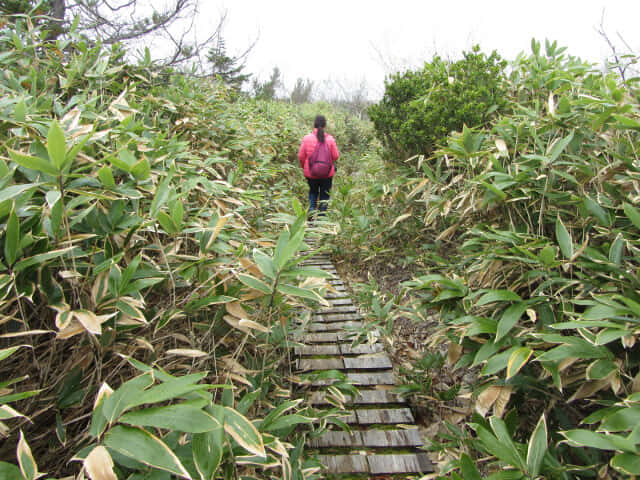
[317,155]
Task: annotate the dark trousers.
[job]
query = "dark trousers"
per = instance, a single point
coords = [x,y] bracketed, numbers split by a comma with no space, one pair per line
[319,193]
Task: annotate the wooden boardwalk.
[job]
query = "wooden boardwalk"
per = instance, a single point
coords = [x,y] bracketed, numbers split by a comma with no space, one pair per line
[384,440]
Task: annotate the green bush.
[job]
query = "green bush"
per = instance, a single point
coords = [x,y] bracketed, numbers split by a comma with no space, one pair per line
[420,108]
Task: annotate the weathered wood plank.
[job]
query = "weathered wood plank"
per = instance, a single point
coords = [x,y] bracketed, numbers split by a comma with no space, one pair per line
[383,378]
[378,361]
[336,317]
[344,463]
[307,364]
[384,415]
[337,438]
[361,349]
[323,337]
[337,295]
[364,397]
[350,308]
[368,438]
[307,350]
[391,438]
[332,326]
[399,463]
[341,301]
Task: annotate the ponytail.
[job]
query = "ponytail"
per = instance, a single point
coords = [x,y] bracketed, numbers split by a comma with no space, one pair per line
[320,123]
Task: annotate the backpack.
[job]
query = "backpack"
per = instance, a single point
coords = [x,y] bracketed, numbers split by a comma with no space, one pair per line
[320,161]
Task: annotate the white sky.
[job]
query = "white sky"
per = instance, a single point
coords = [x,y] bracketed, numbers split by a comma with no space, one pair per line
[355,40]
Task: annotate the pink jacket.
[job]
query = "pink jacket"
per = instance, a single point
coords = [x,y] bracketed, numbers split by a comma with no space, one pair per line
[307,147]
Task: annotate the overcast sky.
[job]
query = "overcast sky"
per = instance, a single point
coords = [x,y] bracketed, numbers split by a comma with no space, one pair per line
[355,40]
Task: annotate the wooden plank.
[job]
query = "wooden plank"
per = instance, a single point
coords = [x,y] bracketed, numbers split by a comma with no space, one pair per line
[390,438]
[307,350]
[350,308]
[384,415]
[368,438]
[341,301]
[335,439]
[344,463]
[320,364]
[365,397]
[338,295]
[336,317]
[368,397]
[332,326]
[399,463]
[364,362]
[364,348]
[322,337]
[383,378]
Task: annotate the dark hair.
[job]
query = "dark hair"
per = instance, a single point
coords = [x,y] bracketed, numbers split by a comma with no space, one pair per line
[320,122]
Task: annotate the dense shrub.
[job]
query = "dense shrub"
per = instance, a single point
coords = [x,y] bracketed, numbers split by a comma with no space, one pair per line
[420,108]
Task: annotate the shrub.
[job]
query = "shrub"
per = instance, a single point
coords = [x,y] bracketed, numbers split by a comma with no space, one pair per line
[420,108]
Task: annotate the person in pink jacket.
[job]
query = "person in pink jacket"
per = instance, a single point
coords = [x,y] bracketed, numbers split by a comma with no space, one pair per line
[318,187]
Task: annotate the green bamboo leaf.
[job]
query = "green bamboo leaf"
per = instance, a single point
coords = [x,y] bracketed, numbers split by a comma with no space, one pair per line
[498,296]
[632,214]
[56,145]
[300,292]
[468,469]
[7,352]
[252,282]
[162,193]
[497,362]
[167,223]
[291,247]
[75,150]
[199,303]
[627,463]
[548,255]
[496,448]
[601,441]
[615,251]
[622,420]
[288,421]
[33,163]
[208,447]
[597,211]
[105,174]
[28,465]
[12,238]
[278,412]
[283,240]
[20,112]
[13,191]
[143,447]
[41,258]
[632,304]
[558,147]
[125,396]
[517,360]
[265,264]
[9,471]
[626,122]
[176,209]
[243,432]
[509,318]
[181,417]
[141,169]
[170,389]
[537,448]
[564,239]
[504,436]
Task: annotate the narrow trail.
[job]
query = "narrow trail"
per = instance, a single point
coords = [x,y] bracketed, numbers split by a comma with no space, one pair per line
[384,439]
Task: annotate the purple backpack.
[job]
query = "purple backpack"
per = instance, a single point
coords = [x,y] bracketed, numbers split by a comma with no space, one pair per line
[320,161]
